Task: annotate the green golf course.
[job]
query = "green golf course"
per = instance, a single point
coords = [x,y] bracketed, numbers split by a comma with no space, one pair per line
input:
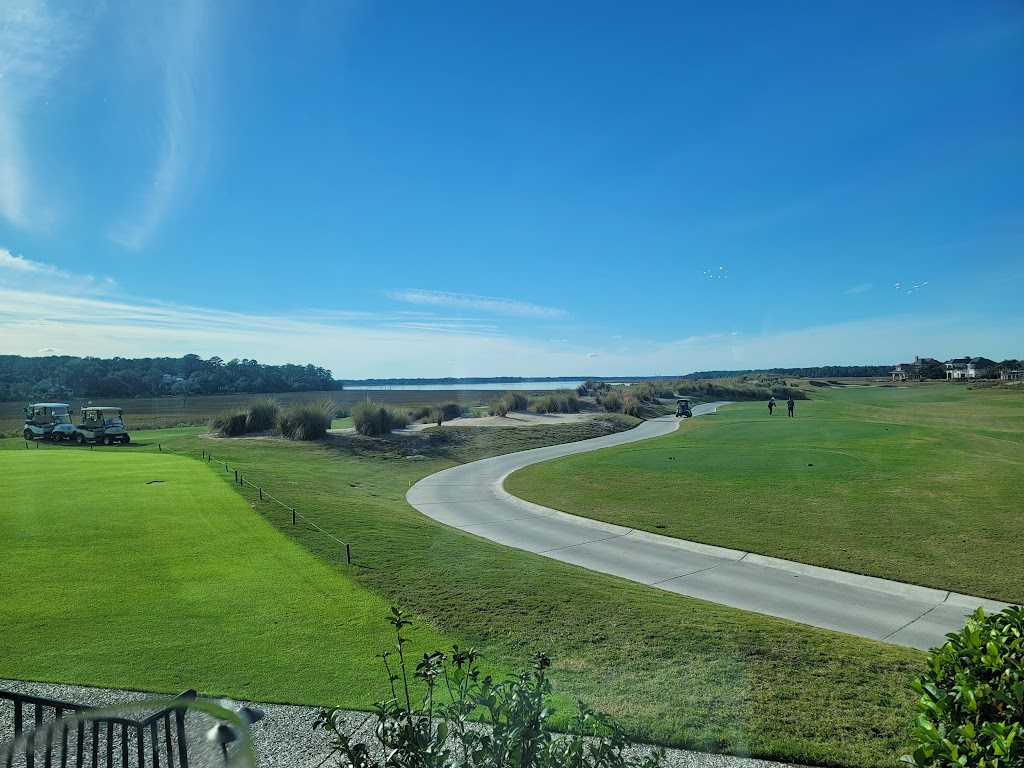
[112,581]
[918,484]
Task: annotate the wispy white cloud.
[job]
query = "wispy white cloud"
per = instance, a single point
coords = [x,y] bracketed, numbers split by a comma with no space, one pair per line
[19,272]
[178,37]
[36,43]
[71,316]
[451,326]
[469,302]
[22,266]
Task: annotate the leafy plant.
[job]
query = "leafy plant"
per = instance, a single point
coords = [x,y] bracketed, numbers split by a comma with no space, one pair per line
[972,696]
[440,731]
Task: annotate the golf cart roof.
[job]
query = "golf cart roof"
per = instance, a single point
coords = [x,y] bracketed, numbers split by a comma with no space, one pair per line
[49,405]
[101,408]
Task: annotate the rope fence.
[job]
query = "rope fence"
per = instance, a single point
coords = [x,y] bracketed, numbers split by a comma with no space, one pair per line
[207,456]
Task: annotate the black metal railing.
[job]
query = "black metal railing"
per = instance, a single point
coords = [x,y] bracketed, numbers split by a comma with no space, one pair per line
[51,733]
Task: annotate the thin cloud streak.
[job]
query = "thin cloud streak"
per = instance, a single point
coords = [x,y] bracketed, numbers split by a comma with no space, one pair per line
[36,43]
[465,301]
[179,39]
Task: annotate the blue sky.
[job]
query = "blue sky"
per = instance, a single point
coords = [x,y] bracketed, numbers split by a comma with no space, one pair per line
[474,189]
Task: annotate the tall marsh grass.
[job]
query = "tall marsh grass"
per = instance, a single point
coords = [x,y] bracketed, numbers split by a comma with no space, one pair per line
[230,423]
[261,414]
[372,418]
[510,401]
[307,421]
[559,401]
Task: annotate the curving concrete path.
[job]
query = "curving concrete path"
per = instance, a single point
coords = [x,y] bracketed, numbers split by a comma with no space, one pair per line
[472,498]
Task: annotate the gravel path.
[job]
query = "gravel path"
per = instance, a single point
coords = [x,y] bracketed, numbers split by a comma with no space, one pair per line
[286,739]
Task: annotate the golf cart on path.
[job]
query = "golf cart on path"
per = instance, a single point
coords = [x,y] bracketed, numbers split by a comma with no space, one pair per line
[52,420]
[683,408]
[102,424]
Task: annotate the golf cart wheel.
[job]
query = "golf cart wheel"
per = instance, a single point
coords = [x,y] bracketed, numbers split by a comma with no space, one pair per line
[80,438]
[125,440]
[28,434]
[107,440]
[56,436]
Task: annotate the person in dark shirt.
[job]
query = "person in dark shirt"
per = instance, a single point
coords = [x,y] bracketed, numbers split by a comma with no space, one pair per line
[790,404]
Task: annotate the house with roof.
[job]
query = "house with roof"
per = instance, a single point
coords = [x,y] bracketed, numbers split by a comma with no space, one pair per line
[967,367]
[914,371]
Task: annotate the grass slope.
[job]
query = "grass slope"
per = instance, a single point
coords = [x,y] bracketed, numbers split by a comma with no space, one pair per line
[109,580]
[917,484]
[675,670]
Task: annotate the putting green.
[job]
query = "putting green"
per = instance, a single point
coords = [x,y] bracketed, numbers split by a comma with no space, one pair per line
[147,571]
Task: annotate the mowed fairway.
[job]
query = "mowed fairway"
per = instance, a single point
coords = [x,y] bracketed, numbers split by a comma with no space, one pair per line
[918,484]
[110,580]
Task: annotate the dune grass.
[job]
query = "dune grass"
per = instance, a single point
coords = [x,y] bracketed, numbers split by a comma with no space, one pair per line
[917,484]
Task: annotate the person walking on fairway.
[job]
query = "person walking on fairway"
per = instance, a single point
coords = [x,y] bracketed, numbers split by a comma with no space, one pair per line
[771,406]
[790,404]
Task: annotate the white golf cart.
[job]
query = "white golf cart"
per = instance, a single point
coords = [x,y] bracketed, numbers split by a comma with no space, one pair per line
[102,424]
[52,420]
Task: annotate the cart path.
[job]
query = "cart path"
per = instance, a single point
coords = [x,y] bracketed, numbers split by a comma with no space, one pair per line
[472,497]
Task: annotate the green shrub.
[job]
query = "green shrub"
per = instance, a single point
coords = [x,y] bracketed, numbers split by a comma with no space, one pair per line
[972,696]
[611,402]
[451,410]
[307,421]
[230,423]
[261,415]
[372,418]
[497,407]
[439,731]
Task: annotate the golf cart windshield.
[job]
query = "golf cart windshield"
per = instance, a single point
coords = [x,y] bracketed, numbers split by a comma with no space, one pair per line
[105,417]
[48,414]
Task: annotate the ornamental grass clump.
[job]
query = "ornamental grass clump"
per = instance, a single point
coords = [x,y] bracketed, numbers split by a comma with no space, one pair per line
[230,423]
[372,418]
[972,697]
[510,401]
[559,401]
[261,415]
[440,731]
[306,421]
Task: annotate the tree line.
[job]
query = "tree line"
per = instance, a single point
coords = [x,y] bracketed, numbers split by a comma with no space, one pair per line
[63,377]
[813,372]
